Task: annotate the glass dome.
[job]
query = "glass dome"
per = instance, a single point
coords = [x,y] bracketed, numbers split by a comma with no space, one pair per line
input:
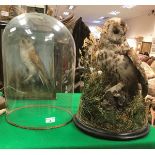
[39,66]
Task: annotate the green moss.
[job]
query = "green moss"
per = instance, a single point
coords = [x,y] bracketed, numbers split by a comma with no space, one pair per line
[98,113]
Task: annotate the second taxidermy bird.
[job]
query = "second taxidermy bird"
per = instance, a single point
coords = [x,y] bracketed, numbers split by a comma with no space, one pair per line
[121,63]
[32,61]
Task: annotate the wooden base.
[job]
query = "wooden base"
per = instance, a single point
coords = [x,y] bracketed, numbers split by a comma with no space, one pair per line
[109,135]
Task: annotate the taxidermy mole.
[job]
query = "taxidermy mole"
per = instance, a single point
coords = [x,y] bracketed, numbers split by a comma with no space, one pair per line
[32,61]
[121,64]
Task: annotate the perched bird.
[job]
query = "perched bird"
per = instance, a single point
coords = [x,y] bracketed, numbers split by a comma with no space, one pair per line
[121,63]
[32,61]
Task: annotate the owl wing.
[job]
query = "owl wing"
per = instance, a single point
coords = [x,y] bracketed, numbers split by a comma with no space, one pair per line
[34,57]
[142,78]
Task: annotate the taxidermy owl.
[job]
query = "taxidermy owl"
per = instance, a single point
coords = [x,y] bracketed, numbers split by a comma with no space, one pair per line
[127,77]
[32,61]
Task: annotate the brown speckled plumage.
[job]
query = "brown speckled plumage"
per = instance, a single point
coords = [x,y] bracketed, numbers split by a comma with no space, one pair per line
[124,68]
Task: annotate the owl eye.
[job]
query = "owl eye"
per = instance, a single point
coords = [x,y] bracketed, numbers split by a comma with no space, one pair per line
[122,24]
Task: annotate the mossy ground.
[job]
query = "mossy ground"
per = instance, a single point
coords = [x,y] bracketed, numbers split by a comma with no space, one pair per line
[97,113]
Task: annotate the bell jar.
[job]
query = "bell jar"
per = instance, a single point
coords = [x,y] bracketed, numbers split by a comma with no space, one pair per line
[39,66]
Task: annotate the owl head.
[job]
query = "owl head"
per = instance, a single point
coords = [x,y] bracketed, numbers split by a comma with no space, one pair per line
[114,31]
[25,43]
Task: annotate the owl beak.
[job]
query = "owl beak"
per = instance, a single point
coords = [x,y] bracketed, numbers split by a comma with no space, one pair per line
[116,30]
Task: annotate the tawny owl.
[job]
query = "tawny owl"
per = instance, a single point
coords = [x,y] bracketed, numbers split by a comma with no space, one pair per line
[121,63]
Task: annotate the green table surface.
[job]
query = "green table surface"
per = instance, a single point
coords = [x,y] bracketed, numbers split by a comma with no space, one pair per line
[65,137]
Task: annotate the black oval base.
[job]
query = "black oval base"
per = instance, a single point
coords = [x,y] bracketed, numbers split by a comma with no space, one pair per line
[109,135]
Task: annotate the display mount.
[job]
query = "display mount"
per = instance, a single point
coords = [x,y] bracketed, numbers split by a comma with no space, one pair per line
[110,135]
